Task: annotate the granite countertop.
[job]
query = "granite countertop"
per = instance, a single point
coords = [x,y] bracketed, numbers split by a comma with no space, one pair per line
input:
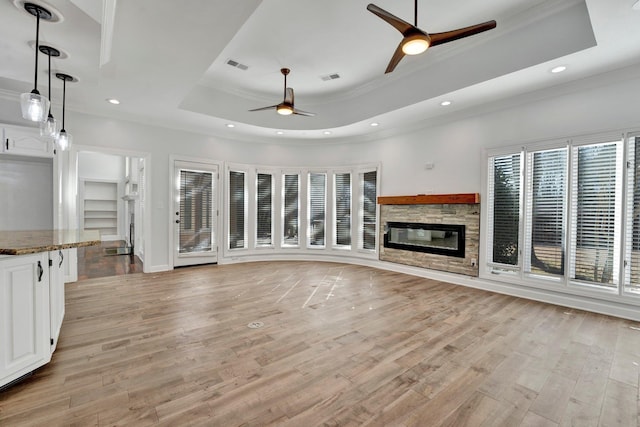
[34,241]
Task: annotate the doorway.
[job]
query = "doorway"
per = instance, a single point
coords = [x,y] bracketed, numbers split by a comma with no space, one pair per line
[195,213]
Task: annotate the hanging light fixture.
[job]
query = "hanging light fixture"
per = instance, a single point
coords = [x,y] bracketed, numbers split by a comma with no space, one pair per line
[64,139]
[35,106]
[49,127]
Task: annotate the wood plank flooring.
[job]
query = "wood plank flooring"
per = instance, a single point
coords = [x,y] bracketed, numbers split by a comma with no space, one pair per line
[94,262]
[341,345]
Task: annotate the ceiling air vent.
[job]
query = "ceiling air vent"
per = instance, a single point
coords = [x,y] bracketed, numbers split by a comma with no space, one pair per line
[237,64]
[330,77]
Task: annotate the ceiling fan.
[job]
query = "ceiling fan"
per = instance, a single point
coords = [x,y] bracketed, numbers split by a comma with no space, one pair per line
[286,107]
[416,41]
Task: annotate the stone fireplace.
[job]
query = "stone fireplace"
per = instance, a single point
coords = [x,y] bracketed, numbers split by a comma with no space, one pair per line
[439,232]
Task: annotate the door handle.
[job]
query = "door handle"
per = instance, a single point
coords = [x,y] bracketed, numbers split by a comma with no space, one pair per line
[40,272]
[61,258]
[177,221]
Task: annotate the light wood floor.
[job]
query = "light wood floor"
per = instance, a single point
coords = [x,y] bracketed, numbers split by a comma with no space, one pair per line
[341,345]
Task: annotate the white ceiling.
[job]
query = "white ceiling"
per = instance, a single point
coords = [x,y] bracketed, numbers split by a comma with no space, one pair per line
[166,61]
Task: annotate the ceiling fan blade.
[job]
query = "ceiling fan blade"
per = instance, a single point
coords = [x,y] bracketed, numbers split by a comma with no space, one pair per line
[288,96]
[303,113]
[271,107]
[449,36]
[397,23]
[395,59]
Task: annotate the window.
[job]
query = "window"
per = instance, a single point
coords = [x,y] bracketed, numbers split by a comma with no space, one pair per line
[368,213]
[342,209]
[317,209]
[594,213]
[504,216]
[290,218]
[546,193]
[237,210]
[264,211]
[561,220]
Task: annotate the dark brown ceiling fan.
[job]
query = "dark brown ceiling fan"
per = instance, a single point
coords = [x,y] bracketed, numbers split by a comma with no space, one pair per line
[415,40]
[286,107]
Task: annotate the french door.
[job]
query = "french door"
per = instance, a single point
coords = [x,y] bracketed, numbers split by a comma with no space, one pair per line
[195,219]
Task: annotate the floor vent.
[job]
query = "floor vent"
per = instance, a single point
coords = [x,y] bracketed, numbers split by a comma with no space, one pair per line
[237,64]
[255,325]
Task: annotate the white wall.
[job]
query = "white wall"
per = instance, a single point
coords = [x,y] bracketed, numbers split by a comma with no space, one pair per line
[100,166]
[455,146]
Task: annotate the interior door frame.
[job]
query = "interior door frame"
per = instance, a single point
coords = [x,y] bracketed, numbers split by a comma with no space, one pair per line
[174,196]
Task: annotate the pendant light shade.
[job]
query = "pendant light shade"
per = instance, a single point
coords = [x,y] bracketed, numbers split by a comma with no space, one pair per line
[49,127]
[64,138]
[35,107]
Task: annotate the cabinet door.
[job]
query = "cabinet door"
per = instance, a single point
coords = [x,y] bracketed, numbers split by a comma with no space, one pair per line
[24,315]
[56,295]
[26,142]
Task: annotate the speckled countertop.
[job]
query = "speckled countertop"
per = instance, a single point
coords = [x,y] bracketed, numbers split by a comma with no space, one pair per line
[30,242]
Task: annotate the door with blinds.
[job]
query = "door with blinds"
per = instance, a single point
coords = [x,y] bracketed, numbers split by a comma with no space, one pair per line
[195,219]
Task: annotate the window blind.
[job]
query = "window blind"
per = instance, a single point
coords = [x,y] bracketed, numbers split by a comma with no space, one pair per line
[195,233]
[545,213]
[290,219]
[264,211]
[632,277]
[236,210]
[342,185]
[317,208]
[504,188]
[368,210]
[594,213]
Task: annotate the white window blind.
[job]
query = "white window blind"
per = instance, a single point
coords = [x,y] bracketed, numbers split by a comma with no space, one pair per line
[545,212]
[264,211]
[594,214]
[237,211]
[368,189]
[632,257]
[342,207]
[504,215]
[290,220]
[195,211]
[317,209]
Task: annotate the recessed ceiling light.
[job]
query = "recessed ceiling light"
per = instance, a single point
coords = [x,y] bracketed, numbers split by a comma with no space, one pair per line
[327,132]
[113,101]
[279,132]
[558,69]
[374,124]
[445,103]
[230,125]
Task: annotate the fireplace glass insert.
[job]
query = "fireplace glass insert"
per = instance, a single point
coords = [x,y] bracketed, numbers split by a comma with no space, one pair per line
[441,239]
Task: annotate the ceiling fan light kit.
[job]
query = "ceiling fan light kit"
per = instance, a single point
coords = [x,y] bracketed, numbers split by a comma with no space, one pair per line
[33,105]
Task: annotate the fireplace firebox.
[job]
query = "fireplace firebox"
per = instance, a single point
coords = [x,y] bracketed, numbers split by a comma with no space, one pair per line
[440,239]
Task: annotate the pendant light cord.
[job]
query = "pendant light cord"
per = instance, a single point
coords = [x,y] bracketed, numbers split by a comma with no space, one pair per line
[64,99]
[35,85]
[49,55]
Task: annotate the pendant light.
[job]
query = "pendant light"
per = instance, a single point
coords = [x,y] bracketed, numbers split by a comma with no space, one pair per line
[35,106]
[64,139]
[49,127]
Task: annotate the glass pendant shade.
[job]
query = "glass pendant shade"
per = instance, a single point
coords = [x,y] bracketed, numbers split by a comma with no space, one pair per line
[49,128]
[34,106]
[64,140]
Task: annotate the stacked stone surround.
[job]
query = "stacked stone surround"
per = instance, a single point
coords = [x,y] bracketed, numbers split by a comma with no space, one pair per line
[457,214]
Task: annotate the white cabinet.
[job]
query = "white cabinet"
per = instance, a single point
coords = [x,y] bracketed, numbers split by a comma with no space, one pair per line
[26,142]
[24,315]
[56,295]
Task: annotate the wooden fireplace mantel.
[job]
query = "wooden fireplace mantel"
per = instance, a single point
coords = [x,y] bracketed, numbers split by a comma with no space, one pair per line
[431,199]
